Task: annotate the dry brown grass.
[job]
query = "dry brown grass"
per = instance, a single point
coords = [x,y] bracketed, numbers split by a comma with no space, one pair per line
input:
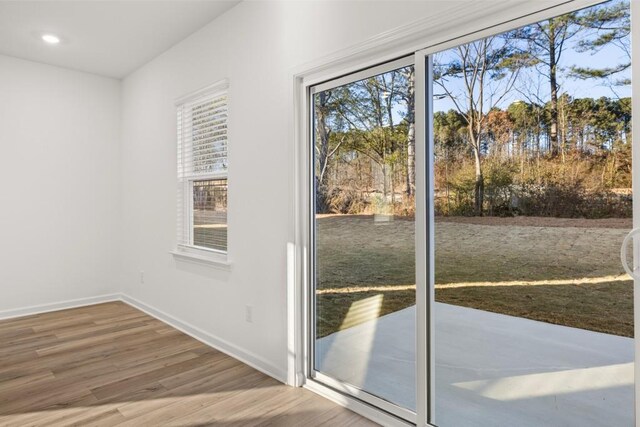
[603,307]
[562,272]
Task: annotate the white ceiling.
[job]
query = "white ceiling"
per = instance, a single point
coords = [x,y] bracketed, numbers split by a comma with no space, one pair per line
[110,38]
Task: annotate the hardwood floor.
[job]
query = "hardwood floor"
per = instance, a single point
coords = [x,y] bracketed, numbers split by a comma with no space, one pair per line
[110,364]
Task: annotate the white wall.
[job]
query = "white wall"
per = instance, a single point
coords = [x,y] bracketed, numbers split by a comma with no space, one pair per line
[59,184]
[256,45]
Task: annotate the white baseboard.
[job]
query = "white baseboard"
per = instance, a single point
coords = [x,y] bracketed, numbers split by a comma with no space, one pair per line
[56,306]
[224,346]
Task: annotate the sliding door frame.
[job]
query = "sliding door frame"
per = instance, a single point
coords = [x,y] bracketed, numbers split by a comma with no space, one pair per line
[421,39]
[313,374]
[425,244]
[302,258]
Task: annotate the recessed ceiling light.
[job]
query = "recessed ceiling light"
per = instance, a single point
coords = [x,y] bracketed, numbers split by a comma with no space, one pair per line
[51,39]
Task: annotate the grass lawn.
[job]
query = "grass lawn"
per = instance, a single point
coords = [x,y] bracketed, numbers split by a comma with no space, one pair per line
[559,271]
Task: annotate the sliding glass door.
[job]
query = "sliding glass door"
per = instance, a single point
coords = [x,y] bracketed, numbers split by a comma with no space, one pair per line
[467,208]
[363,228]
[530,201]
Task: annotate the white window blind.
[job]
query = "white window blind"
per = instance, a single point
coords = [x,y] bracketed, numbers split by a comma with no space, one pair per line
[202,170]
[202,136]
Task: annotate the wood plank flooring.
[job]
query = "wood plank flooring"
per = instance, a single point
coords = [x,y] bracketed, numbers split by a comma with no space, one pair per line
[110,364]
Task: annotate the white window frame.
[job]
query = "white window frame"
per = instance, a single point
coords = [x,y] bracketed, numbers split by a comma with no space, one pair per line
[187,251]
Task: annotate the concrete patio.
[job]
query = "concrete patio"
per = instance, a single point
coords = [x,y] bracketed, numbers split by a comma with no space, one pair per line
[491,369]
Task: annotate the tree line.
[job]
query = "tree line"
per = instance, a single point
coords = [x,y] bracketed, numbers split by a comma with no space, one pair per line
[365,143]
[524,173]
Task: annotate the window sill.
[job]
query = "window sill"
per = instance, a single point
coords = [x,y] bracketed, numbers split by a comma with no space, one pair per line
[216,260]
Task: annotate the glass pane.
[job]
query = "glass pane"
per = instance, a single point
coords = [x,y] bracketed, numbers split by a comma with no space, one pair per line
[533,312]
[364,235]
[210,214]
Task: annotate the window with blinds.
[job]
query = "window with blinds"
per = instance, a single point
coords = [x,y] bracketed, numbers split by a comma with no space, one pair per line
[202,170]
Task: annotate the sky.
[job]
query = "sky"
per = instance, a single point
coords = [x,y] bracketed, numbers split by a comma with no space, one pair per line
[609,55]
